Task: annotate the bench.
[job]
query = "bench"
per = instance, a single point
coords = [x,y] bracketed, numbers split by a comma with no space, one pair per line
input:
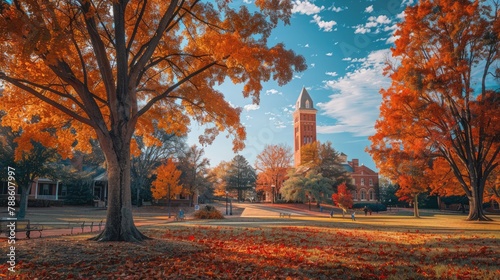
[21,226]
[284,214]
[82,225]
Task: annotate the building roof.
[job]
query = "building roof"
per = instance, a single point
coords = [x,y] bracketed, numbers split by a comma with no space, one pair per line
[102,177]
[305,101]
[348,167]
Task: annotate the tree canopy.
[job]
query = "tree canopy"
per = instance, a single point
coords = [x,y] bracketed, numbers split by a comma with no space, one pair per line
[302,187]
[112,69]
[240,176]
[342,198]
[325,160]
[443,100]
[167,184]
[273,164]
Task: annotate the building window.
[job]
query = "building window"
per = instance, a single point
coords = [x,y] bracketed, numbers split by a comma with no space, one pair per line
[371,195]
[354,195]
[307,104]
[363,194]
[362,181]
[371,182]
[45,189]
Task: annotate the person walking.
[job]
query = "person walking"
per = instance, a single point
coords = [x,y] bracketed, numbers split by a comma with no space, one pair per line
[353,216]
[331,214]
[365,210]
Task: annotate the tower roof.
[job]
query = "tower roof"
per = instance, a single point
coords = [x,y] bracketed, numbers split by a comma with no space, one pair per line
[305,101]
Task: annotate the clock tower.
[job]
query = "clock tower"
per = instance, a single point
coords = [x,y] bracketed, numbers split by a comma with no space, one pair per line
[304,124]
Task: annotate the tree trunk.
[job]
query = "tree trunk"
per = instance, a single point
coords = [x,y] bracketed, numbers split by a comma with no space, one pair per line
[119,221]
[23,201]
[476,212]
[416,214]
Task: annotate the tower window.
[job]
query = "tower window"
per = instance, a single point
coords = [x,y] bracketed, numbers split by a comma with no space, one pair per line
[308,104]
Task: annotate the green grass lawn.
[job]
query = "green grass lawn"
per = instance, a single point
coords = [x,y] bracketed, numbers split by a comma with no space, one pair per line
[373,247]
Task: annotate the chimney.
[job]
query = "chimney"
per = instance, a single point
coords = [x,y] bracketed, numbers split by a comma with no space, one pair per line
[355,162]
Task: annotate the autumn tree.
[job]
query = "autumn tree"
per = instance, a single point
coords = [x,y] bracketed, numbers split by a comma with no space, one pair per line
[325,160]
[37,162]
[217,177]
[111,69]
[342,198]
[194,169]
[167,180]
[306,187]
[272,165]
[149,157]
[241,176]
[442,101]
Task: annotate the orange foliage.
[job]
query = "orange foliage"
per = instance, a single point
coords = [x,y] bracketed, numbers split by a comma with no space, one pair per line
[436,105]
[343,197]
[112,69]
[64,64]
[273,164]
[167,181]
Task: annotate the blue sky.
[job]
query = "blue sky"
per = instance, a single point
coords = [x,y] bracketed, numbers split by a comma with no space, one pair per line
[345,44]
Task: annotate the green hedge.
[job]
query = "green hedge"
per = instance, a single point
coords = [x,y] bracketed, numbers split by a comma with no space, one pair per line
[373,206]
[35,203]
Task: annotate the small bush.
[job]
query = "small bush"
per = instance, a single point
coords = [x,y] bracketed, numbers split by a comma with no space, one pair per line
[208,212]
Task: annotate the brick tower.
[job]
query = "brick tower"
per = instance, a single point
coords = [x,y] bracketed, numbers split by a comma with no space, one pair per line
[304,123]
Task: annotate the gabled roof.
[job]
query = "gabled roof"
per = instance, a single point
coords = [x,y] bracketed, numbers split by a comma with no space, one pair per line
[304,99]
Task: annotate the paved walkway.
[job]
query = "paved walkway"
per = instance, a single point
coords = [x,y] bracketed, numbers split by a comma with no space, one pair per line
[144,217]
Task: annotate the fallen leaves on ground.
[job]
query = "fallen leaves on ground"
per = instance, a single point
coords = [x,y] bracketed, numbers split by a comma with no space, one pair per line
[291,252]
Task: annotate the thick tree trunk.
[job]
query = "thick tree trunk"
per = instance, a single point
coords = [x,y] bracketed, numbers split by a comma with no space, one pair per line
[476,212]
[119,221]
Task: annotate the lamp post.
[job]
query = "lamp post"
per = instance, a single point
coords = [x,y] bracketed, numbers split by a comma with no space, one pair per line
[272,189]
[309,196]
[227,211]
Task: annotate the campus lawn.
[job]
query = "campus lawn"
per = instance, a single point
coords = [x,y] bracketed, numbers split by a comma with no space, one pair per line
[376,247]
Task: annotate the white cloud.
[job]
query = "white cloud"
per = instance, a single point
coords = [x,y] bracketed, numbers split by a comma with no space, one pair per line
[361,30]
[407,3]
[306,8]
[306,46]
[392,39]
[313,65]
[346,59]
[251,107]
[377,23]
[336,9]
[273,91]
[382,19]
[356,99]
[333,74]
[369,9]
[247,1]
[327,26]
[329,54]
